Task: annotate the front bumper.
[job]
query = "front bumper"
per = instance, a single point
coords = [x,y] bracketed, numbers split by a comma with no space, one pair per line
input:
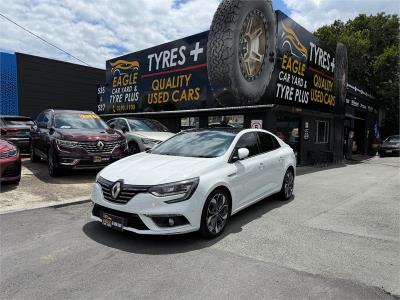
[144,208]
[389,151]
[80,159]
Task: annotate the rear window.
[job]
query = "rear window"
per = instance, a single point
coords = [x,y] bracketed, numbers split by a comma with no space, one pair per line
[17,121]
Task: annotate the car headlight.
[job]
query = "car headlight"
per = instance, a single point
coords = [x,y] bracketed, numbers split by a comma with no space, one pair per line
[9,153]
[149,141]
[184,188]
[67,144]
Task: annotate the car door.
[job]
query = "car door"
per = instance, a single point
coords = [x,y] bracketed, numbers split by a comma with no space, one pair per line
[245,180]
[272,162]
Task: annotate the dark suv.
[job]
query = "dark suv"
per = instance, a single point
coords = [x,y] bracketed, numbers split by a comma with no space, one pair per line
[70,139]
[15,129]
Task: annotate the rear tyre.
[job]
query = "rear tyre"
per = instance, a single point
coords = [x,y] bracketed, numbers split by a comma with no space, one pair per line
[215,215]
[33,156]
[286,191]
[54,171]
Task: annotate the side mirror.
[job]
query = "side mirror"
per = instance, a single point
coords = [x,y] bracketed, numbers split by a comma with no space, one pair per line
[240,154]
[243,153]
[124,129]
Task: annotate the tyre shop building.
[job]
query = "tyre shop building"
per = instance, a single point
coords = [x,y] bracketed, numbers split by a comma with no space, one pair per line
[260,69]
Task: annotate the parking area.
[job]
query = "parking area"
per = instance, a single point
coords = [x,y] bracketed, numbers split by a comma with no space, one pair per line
[38,189]
[337,239]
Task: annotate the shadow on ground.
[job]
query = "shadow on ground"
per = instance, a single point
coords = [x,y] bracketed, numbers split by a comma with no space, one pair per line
[39,170]
[159,245]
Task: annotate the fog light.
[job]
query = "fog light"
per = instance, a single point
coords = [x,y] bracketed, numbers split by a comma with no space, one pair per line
[169,220]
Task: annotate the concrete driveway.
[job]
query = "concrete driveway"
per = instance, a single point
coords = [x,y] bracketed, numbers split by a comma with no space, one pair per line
[337,239]
[38,189]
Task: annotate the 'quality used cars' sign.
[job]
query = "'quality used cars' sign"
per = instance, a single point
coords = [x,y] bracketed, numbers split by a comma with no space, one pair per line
[168,77]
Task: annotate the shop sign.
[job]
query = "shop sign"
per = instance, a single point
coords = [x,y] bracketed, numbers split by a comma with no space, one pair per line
[305,71]
[256,124]
[168,77]
[174,76]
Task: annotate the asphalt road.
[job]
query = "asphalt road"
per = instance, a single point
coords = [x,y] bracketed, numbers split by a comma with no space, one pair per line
[337,239]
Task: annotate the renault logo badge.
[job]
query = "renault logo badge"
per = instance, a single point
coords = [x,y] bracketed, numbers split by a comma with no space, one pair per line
[100,145]
[116,189]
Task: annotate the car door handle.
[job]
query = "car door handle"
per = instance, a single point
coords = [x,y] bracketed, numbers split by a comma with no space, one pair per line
[261,166]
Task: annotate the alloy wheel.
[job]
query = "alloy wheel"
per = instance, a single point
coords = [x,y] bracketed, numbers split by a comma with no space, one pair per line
[217,213]
[288,184]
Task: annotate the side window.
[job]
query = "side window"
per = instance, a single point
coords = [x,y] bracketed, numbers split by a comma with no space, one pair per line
[267,142]
[111,122]
[39,118]
[122,123]
[46,118]
[249,141]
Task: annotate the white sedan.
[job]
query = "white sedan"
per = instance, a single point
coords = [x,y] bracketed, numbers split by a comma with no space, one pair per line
[193,181]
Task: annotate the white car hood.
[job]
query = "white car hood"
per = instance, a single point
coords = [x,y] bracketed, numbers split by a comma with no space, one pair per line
[152,169]
[154,135]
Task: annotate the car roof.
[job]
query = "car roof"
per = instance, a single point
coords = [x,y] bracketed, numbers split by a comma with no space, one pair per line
[70,111]
[15,116]
[225,129]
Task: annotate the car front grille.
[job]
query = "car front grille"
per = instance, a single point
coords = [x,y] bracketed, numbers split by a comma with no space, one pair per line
[133,220]
[127,191]
[93,147]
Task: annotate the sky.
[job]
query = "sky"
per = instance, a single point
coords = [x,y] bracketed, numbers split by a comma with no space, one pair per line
[95,31]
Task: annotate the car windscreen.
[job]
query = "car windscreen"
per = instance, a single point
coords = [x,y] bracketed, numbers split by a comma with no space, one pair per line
[196,144]
[146,125]
[393,139]
[79,121]
[17,121]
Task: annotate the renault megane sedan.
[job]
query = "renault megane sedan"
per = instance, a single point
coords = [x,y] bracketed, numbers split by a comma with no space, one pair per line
[193,181]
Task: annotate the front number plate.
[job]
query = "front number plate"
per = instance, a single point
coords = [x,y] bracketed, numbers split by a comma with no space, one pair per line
[99,159]
[113,222]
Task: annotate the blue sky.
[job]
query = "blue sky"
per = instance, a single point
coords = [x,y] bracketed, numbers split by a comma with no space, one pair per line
[98,30]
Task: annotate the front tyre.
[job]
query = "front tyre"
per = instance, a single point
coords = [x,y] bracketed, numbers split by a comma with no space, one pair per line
[33,156]
[216,212]
[286,191]
[54,171]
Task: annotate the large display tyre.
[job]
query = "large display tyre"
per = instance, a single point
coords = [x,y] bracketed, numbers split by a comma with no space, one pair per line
[341,69]
[241,50]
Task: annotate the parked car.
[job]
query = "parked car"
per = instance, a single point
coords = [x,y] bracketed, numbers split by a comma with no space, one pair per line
[194,181]
[16,130]
[70,139]
[390,146]
[10,162]
[141,134]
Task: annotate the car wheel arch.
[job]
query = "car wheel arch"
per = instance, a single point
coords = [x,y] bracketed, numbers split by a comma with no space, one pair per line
[225,189]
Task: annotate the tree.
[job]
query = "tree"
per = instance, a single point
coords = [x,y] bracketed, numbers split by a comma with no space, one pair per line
[373,51]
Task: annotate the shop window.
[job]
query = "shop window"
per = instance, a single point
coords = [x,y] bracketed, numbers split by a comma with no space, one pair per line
[234,121]
[322,134]
[189,123]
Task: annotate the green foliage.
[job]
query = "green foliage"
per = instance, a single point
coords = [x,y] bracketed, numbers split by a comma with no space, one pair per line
[373,50]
